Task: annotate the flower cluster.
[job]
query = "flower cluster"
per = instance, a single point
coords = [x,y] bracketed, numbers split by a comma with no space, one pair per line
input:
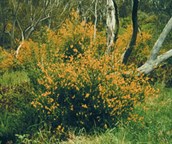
[6,60]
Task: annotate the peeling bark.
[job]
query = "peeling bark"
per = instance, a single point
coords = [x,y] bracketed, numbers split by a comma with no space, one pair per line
[111,24]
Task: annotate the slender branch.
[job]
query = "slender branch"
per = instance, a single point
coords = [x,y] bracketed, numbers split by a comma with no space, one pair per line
[47,17]
[22,41]
[95,21]
[22,34]
[64,9]
[18,48]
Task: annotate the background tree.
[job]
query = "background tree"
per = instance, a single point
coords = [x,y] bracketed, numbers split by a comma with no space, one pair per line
[19,19]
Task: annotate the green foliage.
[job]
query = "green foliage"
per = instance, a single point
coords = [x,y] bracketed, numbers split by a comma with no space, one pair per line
[7,126]
[12,85]
[41,136]
[13,78]
[16,111]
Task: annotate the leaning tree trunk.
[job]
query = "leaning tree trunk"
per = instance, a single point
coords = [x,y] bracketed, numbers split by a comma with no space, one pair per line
[132,43]
[154,60]
[117,21]
[112,23]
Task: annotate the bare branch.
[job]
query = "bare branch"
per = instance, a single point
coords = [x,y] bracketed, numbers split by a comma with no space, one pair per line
[152,64]
[22,41]
[18,48]
[155,60]
[160,40]
[22,34]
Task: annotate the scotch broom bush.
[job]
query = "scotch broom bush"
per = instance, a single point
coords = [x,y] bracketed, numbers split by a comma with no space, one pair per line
[78,86]
[89,92]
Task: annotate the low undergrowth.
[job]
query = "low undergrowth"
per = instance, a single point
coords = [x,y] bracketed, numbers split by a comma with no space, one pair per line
[154,128]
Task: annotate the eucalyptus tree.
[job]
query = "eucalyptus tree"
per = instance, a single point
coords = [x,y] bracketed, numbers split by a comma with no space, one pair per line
[88,9]
[159,7]
[5,27]
[154,59]
[112,22]
[20,18]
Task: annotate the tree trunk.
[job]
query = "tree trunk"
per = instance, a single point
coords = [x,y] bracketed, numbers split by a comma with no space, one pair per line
[117,21]
[95,21]
[111,24]
[132,43]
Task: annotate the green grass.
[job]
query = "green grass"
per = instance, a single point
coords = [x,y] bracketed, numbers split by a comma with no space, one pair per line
[13,78]
[15,97]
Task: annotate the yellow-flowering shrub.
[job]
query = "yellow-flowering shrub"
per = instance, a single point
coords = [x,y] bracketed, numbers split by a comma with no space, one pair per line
[89,92]
[78,85]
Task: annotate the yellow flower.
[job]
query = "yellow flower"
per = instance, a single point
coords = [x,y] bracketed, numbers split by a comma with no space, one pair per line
[71,108]
[75,50]
[87,95]
[84,106]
